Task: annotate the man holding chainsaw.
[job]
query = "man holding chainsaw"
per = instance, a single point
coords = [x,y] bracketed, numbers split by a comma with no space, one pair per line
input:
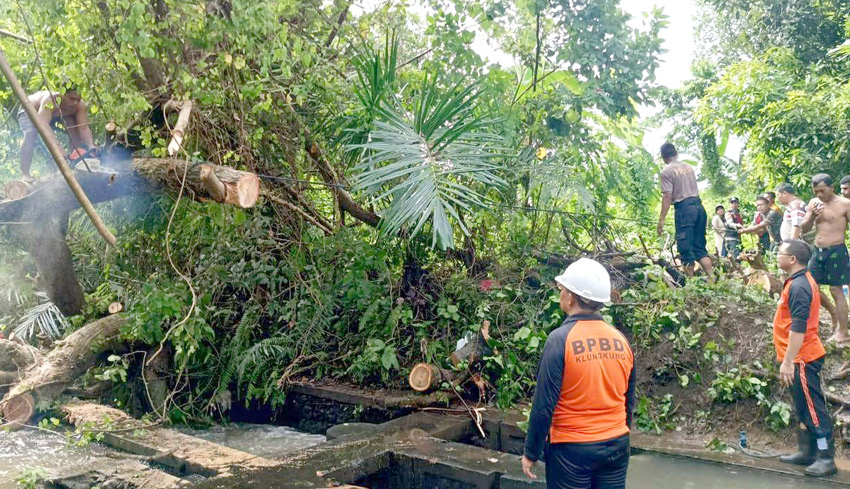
[65,110]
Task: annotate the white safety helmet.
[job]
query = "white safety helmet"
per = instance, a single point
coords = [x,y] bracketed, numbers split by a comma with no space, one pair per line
[588,279]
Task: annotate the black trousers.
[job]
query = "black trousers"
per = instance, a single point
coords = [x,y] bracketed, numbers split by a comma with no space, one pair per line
[598,465]
[691,220]
[809,401]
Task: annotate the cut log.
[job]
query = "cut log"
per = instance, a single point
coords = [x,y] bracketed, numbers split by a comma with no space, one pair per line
[475,349]
[16,189]
[763,278]
[241,188]
[45,381]
[424,377]
[51,196]
[115,307]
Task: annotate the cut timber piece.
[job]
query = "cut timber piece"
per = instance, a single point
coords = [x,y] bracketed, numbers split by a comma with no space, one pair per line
[424,377]
[183,453]
[762,278]
[474,350]
[75,354]
[16,189]
[18,410]
[241,188]
[115,307]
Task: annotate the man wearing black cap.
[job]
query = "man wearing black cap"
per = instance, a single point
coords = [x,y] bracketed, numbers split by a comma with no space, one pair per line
[734,213]
[679,188]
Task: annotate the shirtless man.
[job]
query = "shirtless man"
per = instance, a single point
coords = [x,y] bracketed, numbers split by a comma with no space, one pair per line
[71,113]
[830,263]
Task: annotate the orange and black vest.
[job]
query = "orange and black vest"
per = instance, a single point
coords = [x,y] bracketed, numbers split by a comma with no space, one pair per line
[585,385]
[798,311]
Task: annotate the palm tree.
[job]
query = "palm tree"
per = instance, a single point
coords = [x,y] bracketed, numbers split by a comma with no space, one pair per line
[428,159]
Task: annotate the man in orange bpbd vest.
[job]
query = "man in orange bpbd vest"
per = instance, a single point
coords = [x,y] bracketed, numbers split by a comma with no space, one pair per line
[585,390]
[798,348]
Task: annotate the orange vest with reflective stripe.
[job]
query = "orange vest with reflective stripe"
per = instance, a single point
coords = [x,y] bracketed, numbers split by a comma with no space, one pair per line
[597,364]
[812,348]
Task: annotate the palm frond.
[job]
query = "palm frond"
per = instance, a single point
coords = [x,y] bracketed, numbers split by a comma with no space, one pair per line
[428,160]
[44,318]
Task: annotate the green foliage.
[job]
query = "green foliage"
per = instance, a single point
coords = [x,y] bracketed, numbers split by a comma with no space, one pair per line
[737,384]
[30,477]
[655,414]
[732,29]
[116,371]
[779,415]
[87,433]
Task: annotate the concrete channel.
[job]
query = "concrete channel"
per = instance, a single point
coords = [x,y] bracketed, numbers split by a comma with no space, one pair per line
[429,449]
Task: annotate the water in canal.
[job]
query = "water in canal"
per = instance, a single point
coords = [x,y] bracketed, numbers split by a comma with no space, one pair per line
[650,471]
[28,448]
[37,449]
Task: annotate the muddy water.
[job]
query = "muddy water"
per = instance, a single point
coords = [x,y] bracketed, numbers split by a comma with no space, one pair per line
[647,471]
[28,448]
[257,439]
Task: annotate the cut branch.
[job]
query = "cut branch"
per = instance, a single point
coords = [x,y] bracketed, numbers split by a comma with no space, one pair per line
[180,127]
[216,189]
[346,202]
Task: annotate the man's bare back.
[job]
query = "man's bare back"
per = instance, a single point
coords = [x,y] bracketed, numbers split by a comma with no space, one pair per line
[831,219]
[45,100]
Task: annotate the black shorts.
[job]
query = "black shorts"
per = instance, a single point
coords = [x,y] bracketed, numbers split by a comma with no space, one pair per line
[691,222]
[598,465]
[809,400]
[830,266]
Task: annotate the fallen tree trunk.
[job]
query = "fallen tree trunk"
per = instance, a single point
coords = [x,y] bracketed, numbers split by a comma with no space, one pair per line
[51,195]
[41,216]
[47,379]
[241,188]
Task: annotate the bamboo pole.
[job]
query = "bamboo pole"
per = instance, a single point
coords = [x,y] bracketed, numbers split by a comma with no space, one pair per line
[14,36]
[55,151]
